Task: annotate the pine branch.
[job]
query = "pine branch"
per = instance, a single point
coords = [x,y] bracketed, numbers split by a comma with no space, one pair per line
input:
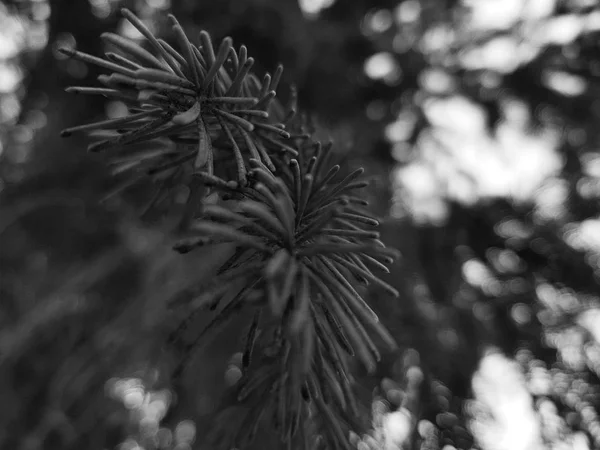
[303,246]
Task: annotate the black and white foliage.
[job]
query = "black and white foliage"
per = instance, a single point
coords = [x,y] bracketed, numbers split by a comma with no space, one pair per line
[305,243]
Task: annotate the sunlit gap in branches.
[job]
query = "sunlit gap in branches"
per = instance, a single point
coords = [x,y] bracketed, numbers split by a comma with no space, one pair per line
[502,411]
[456,133]
[460,160]
[19,33]
[312,8]
[146,409]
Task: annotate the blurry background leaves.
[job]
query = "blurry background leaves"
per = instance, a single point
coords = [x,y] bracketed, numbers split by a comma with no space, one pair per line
[478,119]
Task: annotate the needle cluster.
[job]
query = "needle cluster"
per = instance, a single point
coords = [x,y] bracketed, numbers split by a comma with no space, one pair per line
[305,243]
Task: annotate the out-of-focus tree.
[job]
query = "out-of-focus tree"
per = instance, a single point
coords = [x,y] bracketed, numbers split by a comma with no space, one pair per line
[494,137]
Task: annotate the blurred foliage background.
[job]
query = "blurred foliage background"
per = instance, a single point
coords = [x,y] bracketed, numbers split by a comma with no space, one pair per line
[477,120]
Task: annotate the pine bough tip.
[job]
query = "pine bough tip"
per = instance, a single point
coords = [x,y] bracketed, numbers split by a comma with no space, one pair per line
[303,238]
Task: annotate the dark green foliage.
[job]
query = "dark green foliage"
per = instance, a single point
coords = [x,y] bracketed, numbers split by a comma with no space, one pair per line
[304,240]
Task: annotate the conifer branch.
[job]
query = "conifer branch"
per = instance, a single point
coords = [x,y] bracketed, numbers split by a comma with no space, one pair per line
[302,246]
